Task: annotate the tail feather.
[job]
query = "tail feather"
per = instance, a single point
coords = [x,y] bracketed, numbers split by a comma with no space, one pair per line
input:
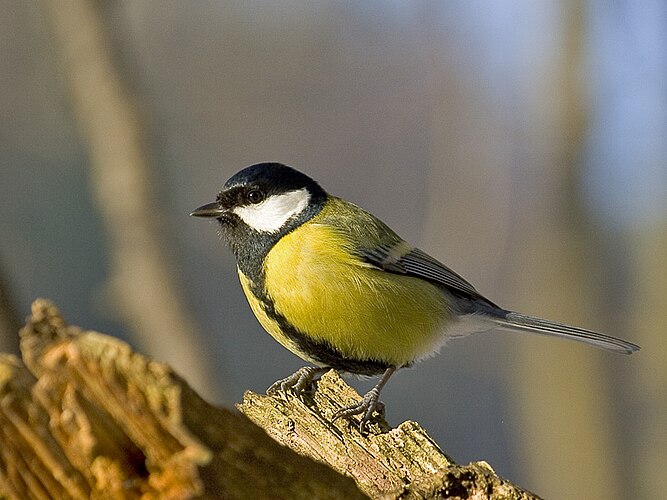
[521,322]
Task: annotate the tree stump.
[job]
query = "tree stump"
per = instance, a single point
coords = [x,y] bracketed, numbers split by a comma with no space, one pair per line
[84,416]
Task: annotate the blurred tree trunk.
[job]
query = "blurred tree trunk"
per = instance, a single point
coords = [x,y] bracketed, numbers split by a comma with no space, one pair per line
[540,243]
[142,285]
[562,394]
[649,320]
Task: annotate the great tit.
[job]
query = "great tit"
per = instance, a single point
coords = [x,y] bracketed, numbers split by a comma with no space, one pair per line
[337,287]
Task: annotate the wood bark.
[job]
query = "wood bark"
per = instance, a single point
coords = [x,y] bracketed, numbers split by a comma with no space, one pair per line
[84,416]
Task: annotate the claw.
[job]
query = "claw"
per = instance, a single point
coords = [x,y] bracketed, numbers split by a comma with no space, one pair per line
[298,382]
[380,409]
[368,404]
[365,407]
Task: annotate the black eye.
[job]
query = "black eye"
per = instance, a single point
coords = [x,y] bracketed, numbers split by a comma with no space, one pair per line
[255,196]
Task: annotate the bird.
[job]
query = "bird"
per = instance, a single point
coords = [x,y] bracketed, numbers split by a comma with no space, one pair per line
[340,289]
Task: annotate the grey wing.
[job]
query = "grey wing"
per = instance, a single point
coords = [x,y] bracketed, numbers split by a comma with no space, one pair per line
[419,264]
[400,258]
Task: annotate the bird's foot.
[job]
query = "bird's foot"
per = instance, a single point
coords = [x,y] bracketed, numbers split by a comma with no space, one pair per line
[365,407]
[300,381]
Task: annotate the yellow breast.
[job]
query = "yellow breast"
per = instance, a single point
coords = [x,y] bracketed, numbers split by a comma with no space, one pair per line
[330,295]
[269,324]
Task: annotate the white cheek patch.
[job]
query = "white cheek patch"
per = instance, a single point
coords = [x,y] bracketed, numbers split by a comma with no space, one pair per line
[270,215]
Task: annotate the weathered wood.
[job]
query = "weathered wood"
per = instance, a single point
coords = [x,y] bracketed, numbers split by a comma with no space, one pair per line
[88,417]
[83,416]
[386,463]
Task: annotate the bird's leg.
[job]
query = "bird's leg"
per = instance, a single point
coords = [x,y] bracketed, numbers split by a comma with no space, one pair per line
[368,404]
[298,382]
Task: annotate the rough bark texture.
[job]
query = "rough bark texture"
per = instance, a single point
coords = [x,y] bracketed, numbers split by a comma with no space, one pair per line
[386,463]
[84,416]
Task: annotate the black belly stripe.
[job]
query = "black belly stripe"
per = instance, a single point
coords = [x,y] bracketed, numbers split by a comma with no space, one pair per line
[322,352]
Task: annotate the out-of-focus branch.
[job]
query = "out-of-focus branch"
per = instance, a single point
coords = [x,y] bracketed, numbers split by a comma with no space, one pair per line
[88,417]
[142,285]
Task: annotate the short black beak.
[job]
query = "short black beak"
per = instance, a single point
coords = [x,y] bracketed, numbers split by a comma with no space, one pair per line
[208,210]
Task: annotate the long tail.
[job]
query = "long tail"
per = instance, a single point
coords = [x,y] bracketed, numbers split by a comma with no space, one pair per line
[520,322]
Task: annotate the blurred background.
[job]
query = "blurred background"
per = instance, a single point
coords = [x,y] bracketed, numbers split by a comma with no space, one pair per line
[523,143]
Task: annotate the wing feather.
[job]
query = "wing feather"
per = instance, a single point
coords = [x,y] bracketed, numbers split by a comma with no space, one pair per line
[417,263]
